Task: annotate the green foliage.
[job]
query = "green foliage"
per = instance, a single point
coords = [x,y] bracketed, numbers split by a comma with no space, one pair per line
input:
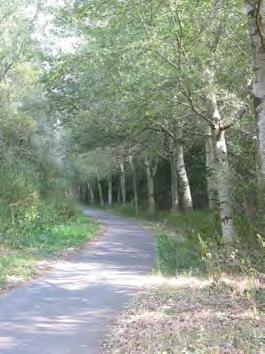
[15,266]
[59,236]
[191,224]
[176,256]
[126,210]
[22,209]
[196,244]
[220,258]
[179,251]
[132,88]
[18,262]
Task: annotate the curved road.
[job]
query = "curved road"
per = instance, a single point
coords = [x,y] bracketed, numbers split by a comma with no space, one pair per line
[69,309]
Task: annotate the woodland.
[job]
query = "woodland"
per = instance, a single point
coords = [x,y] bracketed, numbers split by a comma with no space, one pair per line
[152,109]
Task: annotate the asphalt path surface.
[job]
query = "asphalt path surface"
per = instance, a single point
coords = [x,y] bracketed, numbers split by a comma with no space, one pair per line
[69,309]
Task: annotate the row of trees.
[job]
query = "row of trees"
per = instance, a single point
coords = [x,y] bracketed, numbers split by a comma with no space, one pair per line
[165,86]
[30,142]
[153,103]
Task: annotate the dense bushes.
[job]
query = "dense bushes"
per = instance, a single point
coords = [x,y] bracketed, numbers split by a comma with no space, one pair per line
[195,244]
[23,210]
[179,251]
[36,220]
[33,217]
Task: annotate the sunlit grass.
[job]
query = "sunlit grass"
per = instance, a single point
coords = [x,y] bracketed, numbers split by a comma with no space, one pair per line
[188,315]
[15,267]
[20,263]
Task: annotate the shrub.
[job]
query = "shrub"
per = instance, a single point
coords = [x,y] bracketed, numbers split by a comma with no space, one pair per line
[23,211]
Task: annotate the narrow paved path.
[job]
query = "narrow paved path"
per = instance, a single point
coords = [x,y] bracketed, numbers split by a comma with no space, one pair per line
[68,311]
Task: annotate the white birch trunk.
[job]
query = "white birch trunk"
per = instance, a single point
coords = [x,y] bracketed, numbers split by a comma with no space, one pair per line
[123,183]
[183,179]
[135,189]
[119,195]
[100,193]
[110,190]
[221,166]
[223,188]
[91,193]
[150,188]
[257,33]
[210,170]
[174,179]
[80,192]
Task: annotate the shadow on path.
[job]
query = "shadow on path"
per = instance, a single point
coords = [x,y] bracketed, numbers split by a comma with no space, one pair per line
[68,311]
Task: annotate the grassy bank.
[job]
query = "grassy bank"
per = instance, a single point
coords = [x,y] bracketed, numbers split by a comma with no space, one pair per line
[207,298]
[25,258]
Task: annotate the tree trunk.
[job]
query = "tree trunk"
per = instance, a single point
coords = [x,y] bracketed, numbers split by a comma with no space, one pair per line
[110,190]
[222,168]
[100,193]
[223,188]
[119,195]
[183,179]
[91,193]
[80,192]
[210,171]
[123,182]
[150,188]
[174,178]
[135,190]
[256,14]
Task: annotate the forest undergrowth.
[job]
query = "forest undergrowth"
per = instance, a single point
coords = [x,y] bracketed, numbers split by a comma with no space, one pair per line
[32,243]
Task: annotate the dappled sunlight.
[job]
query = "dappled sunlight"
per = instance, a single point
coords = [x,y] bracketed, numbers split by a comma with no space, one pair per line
[240,283]
[182,281]
[75,302]
[153,111]
[172,318]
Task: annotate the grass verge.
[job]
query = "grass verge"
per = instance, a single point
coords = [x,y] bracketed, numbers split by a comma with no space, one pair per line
[27,259]
[189,316]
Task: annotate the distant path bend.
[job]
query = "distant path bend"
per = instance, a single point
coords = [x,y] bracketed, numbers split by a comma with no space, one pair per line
[69,309]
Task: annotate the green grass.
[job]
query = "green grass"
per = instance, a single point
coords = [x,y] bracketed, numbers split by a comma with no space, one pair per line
[176,256]
[19,263]
[126,210]
[61,237]
[15,267]
[178,251]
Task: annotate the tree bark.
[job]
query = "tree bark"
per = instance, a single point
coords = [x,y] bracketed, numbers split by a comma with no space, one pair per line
[80,192]
[174,178]
[110,190]
[210,170]
[256,14]
[187,203]
[91,193]
[221,164]
[135,189]
[119,194]
[150,187]
[100,193]
[123,183]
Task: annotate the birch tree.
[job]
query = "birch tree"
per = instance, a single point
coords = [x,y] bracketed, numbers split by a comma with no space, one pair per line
[256,14]
[221,170]
[150,169]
